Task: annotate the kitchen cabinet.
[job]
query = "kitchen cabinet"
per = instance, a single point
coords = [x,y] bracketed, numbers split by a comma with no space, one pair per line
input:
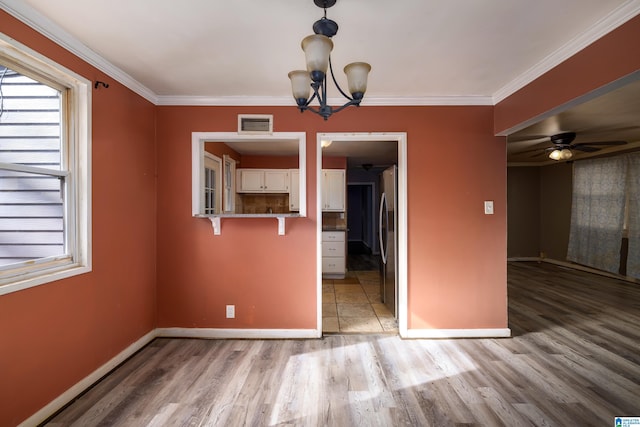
[333,254]
[333,190]
[263,180]
[294,190]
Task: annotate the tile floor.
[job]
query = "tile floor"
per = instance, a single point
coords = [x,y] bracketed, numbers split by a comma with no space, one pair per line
[352,305]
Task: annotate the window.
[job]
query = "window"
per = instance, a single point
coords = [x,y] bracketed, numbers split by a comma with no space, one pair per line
[604,214]
[44,170]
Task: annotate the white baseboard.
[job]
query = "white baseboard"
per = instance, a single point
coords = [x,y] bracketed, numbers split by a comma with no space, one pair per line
[458,333]
[66,397]
[262,334]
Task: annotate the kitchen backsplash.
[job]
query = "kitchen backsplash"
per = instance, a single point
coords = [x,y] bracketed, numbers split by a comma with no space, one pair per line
[262,203]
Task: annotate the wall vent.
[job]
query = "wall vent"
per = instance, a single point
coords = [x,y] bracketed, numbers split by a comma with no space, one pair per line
[255,123]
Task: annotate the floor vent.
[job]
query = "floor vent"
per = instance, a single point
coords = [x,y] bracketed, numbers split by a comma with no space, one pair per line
[254,123]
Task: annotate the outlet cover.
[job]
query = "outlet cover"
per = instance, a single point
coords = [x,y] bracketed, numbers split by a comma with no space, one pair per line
[231,312]
[488,207]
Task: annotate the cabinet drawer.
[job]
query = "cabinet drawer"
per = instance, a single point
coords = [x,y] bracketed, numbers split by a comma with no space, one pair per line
[333,249]
[333,236]
[333,264]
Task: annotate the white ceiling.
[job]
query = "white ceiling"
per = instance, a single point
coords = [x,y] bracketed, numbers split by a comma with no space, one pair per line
[240,51]
[422,52]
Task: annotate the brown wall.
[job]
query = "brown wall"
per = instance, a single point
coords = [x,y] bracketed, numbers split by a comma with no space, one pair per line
[539,211]
[556,184]
[54,335]
[523,212]
[272,279]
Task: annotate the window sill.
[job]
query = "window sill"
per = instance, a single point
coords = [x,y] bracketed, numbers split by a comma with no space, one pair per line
[41,277]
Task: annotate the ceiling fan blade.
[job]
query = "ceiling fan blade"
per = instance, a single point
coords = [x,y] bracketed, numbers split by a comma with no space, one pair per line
[532,150]
[601,143]
[528,138]
[585,148]
[542,153]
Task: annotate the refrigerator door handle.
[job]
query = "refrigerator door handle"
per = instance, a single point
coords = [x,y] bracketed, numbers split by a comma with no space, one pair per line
[383,250]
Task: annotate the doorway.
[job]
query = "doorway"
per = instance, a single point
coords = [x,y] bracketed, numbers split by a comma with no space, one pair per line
[362,239]
[352,303]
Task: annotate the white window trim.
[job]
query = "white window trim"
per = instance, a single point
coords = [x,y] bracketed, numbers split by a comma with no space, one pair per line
[229,188]
[79,157]
[219,186]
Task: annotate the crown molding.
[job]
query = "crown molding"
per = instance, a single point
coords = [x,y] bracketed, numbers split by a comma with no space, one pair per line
[287,101]
[55,33]
[622,14]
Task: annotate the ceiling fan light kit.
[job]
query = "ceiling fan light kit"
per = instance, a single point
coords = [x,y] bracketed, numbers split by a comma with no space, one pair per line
[562,154]
[317,48]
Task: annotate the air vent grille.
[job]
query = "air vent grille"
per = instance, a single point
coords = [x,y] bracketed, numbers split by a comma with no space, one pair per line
[256,124]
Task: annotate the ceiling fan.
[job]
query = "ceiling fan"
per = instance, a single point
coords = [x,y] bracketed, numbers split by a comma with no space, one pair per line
[562,146]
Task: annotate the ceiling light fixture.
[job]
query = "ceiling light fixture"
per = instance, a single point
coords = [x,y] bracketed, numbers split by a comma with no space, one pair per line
[561,154]
[317,48]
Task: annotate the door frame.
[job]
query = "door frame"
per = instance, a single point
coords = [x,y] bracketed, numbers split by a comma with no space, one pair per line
[401,139]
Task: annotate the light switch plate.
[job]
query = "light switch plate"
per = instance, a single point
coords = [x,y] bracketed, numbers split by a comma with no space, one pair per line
[488,207]
[231,311]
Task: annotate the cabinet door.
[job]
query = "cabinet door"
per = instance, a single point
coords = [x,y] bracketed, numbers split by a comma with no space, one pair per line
[276,181]
[294,190]
[251,180]
[333,190]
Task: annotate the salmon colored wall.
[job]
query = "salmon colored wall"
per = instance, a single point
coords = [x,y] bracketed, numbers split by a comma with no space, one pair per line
[612,57]
[329,162]
[269,162]
[54,335]
[220,150]
[456,254]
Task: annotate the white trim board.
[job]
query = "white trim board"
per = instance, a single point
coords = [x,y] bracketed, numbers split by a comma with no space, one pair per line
[214,333]
[458,333]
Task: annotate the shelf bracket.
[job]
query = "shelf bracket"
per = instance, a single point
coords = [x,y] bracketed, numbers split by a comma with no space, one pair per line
[215,223]
[280,225]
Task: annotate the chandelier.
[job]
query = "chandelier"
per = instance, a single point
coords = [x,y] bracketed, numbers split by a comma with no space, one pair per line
[317,48]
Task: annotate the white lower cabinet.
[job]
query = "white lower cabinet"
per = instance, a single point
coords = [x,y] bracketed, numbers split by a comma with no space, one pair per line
[333,254]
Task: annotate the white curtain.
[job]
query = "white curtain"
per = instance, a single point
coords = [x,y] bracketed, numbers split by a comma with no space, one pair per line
[597,212]
[633,217]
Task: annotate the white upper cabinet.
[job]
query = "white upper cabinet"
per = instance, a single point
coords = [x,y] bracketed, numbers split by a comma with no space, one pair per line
[263,180]
[333,190]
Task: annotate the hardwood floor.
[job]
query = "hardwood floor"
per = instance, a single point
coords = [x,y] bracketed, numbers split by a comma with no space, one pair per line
[573,361]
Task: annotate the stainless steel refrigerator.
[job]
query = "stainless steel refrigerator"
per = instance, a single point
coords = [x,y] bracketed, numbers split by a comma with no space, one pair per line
[387,232]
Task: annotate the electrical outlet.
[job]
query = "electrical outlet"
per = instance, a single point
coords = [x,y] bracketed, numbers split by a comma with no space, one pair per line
[231,312]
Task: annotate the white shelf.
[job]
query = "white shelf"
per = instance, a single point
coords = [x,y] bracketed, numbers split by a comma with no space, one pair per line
[216,219]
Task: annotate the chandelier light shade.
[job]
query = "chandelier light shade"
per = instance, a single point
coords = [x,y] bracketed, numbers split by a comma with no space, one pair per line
[357,73]
[317,48]
[300,84]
